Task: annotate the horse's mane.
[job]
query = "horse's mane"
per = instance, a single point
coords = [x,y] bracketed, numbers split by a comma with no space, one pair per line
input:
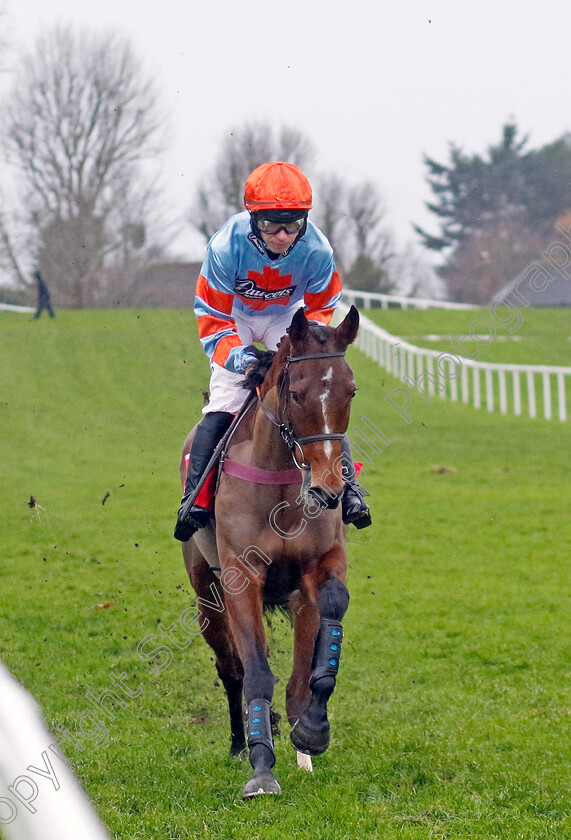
[258,373]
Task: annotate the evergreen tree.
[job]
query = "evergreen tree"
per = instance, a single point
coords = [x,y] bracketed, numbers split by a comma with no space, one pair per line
[548,183]
[473,193]
[496,212]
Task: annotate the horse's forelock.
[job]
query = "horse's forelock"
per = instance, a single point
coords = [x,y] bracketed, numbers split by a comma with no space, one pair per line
[319,332]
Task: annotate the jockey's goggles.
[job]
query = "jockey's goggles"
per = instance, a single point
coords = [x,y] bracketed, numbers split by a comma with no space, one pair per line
[268,226]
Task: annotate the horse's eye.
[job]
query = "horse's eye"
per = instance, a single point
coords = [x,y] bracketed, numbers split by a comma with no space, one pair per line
[296,397]
[354,392]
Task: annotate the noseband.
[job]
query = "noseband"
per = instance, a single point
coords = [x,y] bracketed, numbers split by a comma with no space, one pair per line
[287,433]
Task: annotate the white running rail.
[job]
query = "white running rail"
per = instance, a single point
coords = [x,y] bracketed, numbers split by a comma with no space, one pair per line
[11,307]
[514,389]
[367,300]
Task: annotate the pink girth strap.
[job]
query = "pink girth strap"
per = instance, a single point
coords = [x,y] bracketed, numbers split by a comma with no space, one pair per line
[258,476]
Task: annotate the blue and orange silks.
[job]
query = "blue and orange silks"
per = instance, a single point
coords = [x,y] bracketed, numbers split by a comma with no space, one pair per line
[237,275]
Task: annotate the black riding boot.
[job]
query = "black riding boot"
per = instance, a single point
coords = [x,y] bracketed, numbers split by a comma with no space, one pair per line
[208,433]
[355,510]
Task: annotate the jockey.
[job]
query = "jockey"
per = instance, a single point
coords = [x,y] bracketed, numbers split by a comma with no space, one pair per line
[260,267]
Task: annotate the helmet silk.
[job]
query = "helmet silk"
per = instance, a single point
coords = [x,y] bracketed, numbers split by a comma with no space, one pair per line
[277,186]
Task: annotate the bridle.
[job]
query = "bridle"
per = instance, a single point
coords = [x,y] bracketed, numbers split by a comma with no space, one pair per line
[288,435]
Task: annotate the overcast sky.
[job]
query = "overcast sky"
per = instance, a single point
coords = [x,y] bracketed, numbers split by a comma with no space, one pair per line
[373,84]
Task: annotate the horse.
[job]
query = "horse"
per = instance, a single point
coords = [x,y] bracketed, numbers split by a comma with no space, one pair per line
[278,539]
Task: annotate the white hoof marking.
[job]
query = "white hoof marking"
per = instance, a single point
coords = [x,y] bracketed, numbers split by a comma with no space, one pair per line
[304,761]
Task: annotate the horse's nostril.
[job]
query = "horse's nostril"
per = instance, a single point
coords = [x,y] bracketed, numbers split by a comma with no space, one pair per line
[323,499]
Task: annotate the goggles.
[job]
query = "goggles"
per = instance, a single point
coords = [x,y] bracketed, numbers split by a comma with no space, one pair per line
[266,226]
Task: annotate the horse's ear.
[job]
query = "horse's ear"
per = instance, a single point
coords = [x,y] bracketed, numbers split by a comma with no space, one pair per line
[346,332]
[299,327]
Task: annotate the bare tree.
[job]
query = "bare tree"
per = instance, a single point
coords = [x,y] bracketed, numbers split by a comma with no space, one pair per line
[8,254]
[371,246]
[353,219]
[330,214]
[79,123]
[367,214]
[221,193]
[8,257]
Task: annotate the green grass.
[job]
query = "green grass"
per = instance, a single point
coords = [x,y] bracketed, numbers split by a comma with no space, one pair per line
[537,337]
[451,714]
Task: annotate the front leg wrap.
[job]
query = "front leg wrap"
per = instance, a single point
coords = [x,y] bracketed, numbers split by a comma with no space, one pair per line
[259,726]
[327,650]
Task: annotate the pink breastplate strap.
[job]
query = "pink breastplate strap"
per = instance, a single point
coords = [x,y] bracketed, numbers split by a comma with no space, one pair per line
[255,475]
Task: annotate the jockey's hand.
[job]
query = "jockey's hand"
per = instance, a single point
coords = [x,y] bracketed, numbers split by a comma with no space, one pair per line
[247,356]
[258,367]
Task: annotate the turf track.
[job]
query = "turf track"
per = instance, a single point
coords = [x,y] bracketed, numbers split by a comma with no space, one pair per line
[451,716]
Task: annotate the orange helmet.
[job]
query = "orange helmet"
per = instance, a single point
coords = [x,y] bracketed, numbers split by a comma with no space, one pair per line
[277,186]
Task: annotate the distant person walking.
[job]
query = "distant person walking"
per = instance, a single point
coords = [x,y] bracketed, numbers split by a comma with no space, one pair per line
[44,299]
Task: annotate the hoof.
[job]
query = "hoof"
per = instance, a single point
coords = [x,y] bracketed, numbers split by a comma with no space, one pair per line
[261,783]
[309,741]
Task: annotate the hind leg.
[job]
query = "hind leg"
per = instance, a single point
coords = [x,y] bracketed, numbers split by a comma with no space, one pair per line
[217,633]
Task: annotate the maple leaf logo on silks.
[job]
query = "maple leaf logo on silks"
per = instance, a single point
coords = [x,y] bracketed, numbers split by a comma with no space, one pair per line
[265,288]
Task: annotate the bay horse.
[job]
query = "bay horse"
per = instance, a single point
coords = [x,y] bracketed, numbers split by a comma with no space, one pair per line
[278,539]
